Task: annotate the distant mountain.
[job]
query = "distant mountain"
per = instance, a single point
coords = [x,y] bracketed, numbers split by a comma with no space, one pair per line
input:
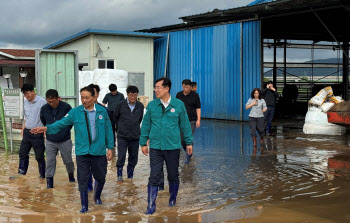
[302,72]
[329,60]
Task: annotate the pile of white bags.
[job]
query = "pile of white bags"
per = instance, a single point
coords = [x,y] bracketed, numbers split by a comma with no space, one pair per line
[316,121]
[103,78]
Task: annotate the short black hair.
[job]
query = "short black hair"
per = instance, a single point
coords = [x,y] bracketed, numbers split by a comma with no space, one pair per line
[51,93]
[187,82]
[270,82]
[253,91]
[27,87]
[132,89]
[89,89]
[166,82]
[112,87]
[95,86]
[193,84]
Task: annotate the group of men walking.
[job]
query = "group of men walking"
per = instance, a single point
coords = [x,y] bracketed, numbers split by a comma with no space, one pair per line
[167,125]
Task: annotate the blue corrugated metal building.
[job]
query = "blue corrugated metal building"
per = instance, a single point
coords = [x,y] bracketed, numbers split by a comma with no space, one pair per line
[224,60]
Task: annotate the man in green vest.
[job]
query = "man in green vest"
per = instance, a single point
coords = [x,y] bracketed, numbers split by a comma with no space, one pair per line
[165,119]
[93,134]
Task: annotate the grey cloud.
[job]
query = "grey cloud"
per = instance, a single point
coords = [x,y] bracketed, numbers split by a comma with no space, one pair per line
[37,23]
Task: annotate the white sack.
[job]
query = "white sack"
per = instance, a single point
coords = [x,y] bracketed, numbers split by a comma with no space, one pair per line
[321,96]
[315,115]
[85,78]
[316,129]
[326,106]
[105,77]
[336,99]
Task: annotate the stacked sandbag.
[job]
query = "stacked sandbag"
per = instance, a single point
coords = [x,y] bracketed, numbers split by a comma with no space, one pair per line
[316,121]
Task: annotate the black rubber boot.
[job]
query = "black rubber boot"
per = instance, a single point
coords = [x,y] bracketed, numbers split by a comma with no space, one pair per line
[173,189]
[23,166]
[84,201]
[49,181]
[71,177]
[152,196]
[41,167]
[98,191]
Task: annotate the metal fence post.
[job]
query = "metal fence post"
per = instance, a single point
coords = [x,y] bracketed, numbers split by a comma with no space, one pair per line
[2,113]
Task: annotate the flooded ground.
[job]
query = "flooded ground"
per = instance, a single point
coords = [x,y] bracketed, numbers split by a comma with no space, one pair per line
[295,178]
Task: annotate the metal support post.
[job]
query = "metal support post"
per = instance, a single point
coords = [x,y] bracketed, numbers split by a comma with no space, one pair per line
[3,120]
[285,63]
[274,63]
[346,70]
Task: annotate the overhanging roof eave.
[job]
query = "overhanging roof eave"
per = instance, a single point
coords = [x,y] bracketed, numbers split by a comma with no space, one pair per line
[100,32]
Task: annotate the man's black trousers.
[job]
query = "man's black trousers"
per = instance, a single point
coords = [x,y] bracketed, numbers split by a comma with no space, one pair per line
[130,145]
[32,140]
[96,164]
[157,158]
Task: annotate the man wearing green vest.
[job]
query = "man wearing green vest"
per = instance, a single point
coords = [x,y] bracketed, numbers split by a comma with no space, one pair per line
[165,119]
[93,134]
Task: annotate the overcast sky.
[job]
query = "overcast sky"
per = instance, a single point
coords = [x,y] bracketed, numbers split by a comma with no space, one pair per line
[38,23]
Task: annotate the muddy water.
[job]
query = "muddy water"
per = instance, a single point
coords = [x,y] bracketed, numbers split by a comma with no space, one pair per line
[292,178]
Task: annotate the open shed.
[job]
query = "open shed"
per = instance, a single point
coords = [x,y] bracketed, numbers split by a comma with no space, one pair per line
[223,50]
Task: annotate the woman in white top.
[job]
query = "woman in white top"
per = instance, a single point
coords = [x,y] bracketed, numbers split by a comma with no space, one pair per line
[257,108]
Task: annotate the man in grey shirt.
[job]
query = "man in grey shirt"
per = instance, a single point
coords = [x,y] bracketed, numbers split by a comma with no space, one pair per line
[112,99]
[32,106]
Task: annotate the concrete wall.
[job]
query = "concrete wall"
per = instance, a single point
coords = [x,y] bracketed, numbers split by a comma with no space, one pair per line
[133,54]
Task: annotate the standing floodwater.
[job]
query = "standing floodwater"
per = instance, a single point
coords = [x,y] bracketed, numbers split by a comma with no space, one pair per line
[296,178]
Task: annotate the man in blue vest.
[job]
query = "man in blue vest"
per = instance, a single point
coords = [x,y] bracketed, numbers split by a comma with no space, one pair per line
[93,133]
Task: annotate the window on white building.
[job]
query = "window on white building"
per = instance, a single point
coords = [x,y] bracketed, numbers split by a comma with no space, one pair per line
[106,64]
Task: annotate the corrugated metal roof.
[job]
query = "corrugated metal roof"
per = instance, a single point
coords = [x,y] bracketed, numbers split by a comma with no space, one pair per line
[292,19]
[19,52]
[101,32]
[260,2]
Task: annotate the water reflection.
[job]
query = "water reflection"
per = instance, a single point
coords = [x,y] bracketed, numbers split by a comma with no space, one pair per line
[227,179]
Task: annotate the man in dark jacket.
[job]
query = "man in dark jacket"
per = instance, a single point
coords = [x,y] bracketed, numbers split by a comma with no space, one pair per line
[270,95]
[128,115]
[111,99]
[55,110]
[193,107]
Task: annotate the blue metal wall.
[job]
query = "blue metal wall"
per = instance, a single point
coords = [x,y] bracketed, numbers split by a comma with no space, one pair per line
[223,60]
[251,60]
[160,46]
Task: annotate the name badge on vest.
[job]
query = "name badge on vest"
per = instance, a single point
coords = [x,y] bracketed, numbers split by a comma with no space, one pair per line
[100,117]
[172,110]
